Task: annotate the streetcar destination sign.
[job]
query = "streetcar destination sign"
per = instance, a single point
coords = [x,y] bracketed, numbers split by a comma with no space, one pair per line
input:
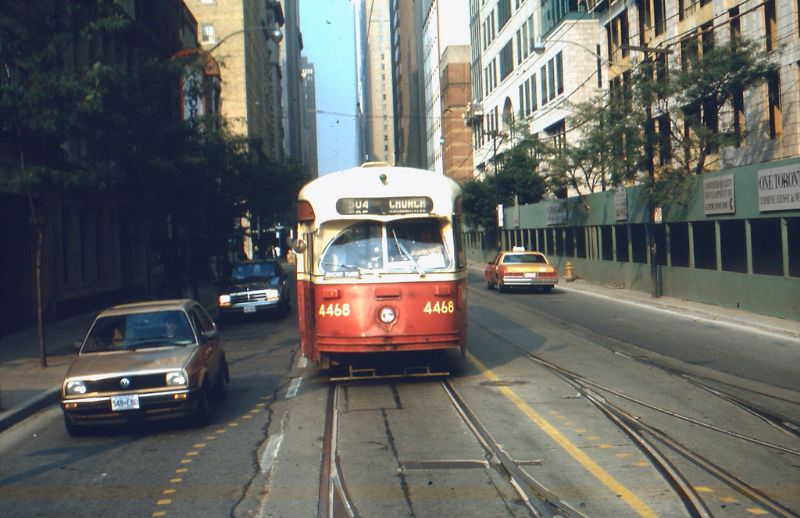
[384,206]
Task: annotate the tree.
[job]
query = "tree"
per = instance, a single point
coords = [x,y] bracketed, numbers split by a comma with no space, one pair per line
[47,108]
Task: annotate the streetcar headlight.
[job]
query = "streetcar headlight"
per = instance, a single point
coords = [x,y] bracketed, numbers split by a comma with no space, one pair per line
[224,300]
[76,387]
[176,378]
[387,315]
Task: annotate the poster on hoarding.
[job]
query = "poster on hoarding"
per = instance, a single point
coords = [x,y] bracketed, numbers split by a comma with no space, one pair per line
[779,188]
[621,204]
[719,196]
[557,213]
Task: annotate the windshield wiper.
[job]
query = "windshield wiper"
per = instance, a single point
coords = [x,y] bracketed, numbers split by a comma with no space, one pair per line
[408,255]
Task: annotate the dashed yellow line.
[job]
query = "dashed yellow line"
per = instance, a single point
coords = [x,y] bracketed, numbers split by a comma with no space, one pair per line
[757,511]
[176,480]
[156,514]
[164,501]
[576,453]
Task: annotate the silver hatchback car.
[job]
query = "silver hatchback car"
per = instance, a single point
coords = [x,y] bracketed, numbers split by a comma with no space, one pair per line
[144,362]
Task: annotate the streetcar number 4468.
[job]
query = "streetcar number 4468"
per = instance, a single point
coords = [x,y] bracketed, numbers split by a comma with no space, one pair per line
[444,306]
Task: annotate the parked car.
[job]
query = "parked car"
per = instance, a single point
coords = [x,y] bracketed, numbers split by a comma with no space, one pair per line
[520,269]
[145,362]
[255,286]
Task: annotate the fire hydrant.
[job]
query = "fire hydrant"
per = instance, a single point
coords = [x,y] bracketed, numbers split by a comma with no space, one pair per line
[569,274]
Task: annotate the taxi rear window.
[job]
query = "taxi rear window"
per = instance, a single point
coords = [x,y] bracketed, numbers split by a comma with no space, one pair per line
[523,259]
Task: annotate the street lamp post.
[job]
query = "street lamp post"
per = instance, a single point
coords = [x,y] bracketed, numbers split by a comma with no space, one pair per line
[499,215]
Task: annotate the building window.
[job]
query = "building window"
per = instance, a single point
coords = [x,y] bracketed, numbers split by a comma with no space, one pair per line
[506,60]
[543,82]
[503,13]
[207,33]
[774,105]
[617,33]
[559,74]
[770,24]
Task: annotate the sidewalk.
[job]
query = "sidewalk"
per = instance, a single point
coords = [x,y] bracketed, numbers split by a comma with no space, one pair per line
[26,388]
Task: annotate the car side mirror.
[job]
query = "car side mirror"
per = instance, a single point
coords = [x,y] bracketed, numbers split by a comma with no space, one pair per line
[209,335]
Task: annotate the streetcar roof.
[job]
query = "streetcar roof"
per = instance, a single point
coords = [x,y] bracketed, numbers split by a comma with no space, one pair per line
[369,183]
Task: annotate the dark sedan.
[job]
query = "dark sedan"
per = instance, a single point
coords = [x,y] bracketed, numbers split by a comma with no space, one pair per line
[255,286]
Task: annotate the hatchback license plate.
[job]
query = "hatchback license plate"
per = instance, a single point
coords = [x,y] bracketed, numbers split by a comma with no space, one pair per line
[127,402]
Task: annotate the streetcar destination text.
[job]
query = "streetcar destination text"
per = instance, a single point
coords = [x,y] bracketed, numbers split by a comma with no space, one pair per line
[384,206]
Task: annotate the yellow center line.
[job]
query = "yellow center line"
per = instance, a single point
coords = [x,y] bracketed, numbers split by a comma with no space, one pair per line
[576,453]
[181,470]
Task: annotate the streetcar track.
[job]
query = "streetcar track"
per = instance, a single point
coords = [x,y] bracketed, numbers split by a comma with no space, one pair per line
[776,420]
[645,434]
[537,498]
[628,423]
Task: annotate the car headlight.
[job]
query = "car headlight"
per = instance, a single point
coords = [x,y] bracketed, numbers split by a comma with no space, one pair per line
[273,295]
[75,387]
[176,378]
[224,300]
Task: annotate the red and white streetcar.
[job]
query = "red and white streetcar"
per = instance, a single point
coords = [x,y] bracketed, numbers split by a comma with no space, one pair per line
[380,263]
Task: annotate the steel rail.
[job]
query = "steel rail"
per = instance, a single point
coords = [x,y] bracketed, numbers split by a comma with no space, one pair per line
[334,500]
[618,415]
[537,498]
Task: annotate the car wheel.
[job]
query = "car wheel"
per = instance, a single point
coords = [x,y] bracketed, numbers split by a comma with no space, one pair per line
[223,378]
[501,287]
[202,412]
[74,430]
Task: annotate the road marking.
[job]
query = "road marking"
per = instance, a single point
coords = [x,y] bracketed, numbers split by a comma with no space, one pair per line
[703,489]
[164,501]
[576,453]
[271,452]
[294,386]
[186,461]
[169,491]
[200,445]
[728,499]
[756,511]
[181,470]
[175,480]
[156,514]
[193,454]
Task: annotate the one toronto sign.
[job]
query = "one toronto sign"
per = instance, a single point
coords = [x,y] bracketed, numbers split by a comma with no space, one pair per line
[779,188]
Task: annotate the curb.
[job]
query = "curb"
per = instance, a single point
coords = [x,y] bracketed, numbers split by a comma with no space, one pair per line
[20,412]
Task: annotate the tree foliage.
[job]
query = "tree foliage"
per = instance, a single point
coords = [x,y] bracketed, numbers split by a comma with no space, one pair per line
[89,112]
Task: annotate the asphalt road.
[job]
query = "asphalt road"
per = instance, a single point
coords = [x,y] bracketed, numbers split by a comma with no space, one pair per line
[405,451]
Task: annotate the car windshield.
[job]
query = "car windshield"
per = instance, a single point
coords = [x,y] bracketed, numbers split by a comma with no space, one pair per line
[139,330]
[412,245]
[246,271]
[523,259]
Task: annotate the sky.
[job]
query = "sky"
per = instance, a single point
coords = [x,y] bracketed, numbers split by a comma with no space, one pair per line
[329,44]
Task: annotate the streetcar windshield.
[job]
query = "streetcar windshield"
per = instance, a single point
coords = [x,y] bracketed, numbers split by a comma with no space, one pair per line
[409,245]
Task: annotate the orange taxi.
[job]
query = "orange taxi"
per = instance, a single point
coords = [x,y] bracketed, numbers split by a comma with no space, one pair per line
[520,269]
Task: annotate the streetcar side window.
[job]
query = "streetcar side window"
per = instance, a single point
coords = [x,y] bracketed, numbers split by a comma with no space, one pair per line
[358,247]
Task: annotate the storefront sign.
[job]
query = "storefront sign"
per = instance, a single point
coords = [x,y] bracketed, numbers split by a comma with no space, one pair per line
[718,195]
[621,204]
[779,188]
